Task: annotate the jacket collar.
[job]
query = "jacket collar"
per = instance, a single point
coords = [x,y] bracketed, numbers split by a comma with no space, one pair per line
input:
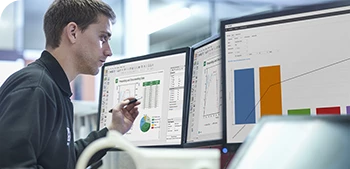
[56,71]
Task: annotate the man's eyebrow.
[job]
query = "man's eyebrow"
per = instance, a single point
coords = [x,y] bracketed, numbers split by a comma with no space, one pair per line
[108,34]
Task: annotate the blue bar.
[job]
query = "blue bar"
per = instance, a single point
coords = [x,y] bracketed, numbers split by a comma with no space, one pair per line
[244,96]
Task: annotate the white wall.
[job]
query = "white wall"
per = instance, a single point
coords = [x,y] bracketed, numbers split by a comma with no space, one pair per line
[9,67]
[8,28]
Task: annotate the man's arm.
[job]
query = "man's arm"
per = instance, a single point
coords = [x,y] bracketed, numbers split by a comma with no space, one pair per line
[123,117]
[21,130]
[81,144]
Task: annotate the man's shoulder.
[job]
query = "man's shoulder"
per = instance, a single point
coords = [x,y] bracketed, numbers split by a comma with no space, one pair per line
[32,76]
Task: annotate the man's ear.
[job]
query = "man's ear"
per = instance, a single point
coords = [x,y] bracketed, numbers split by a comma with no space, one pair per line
[71,31]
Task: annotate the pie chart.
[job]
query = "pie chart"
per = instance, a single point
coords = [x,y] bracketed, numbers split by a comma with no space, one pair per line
[145,123]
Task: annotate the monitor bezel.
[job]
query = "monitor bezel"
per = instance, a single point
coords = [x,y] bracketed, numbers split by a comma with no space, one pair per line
[233,147]
[168,53]
[208,143]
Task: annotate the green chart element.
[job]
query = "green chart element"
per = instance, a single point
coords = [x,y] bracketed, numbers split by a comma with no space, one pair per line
[299,112]
[145,123]
[151,83]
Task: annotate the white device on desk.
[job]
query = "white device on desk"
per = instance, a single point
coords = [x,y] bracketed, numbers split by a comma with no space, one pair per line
[296,142]
[154,158]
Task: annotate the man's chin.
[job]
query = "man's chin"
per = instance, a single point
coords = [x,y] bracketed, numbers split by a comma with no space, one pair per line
[97,71]
[92,72]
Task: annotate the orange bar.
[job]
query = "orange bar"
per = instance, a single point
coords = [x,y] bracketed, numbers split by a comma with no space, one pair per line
[270,91]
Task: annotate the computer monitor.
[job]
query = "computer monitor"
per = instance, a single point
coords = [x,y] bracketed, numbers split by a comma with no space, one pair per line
[293,142]
[292,62]
[161,80]
[205,103]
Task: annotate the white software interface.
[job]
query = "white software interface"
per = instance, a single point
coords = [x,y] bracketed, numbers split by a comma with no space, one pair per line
[280,66]
[205,117]
[160,82]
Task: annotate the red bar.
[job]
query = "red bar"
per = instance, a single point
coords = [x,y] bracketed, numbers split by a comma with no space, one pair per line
[328,110]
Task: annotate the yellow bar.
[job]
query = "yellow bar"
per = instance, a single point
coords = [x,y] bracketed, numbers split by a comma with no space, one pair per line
[270,90]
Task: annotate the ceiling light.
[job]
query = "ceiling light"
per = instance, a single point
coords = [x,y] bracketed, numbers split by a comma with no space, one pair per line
[160,21]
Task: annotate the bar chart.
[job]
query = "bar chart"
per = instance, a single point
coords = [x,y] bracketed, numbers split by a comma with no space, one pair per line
[269,100]
[285,67]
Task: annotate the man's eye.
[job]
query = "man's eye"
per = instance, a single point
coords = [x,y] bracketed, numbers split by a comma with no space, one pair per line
[104,38]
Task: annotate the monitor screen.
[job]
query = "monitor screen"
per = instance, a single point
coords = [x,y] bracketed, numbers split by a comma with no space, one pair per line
[160,79]
[294,62]
[205,104]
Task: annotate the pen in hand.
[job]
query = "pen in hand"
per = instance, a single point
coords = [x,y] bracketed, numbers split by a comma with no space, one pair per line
[130,102]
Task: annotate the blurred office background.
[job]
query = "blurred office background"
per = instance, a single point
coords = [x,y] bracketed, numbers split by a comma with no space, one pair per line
[142,27]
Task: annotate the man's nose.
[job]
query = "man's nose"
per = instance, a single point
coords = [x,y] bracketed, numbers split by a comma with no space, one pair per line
[107,51]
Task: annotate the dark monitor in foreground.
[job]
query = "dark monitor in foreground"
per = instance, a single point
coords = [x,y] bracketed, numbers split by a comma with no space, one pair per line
[295,142]
[160,79]
[205,104]
[294,62]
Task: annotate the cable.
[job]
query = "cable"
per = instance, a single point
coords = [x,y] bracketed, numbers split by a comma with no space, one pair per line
[228,160]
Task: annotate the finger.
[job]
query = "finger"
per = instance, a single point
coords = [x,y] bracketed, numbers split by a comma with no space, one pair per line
[135,113]
[122,104]
[130,98]
[132,105]
[130,115]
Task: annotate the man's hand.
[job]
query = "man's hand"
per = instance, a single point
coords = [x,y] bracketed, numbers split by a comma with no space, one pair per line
[123,116]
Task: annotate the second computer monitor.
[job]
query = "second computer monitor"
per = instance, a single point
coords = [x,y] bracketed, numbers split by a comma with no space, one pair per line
[205,105]
[160,79]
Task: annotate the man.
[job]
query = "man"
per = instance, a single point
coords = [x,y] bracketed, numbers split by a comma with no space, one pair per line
[36,113]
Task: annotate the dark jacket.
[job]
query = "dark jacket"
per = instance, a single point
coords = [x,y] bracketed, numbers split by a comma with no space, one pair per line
[36,119]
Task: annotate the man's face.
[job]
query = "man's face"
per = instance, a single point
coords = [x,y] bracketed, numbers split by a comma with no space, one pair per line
[93,46]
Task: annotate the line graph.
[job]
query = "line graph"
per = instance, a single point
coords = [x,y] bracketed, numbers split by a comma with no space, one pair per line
[211,101]
[329,77]
[263,96]
[126,90]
